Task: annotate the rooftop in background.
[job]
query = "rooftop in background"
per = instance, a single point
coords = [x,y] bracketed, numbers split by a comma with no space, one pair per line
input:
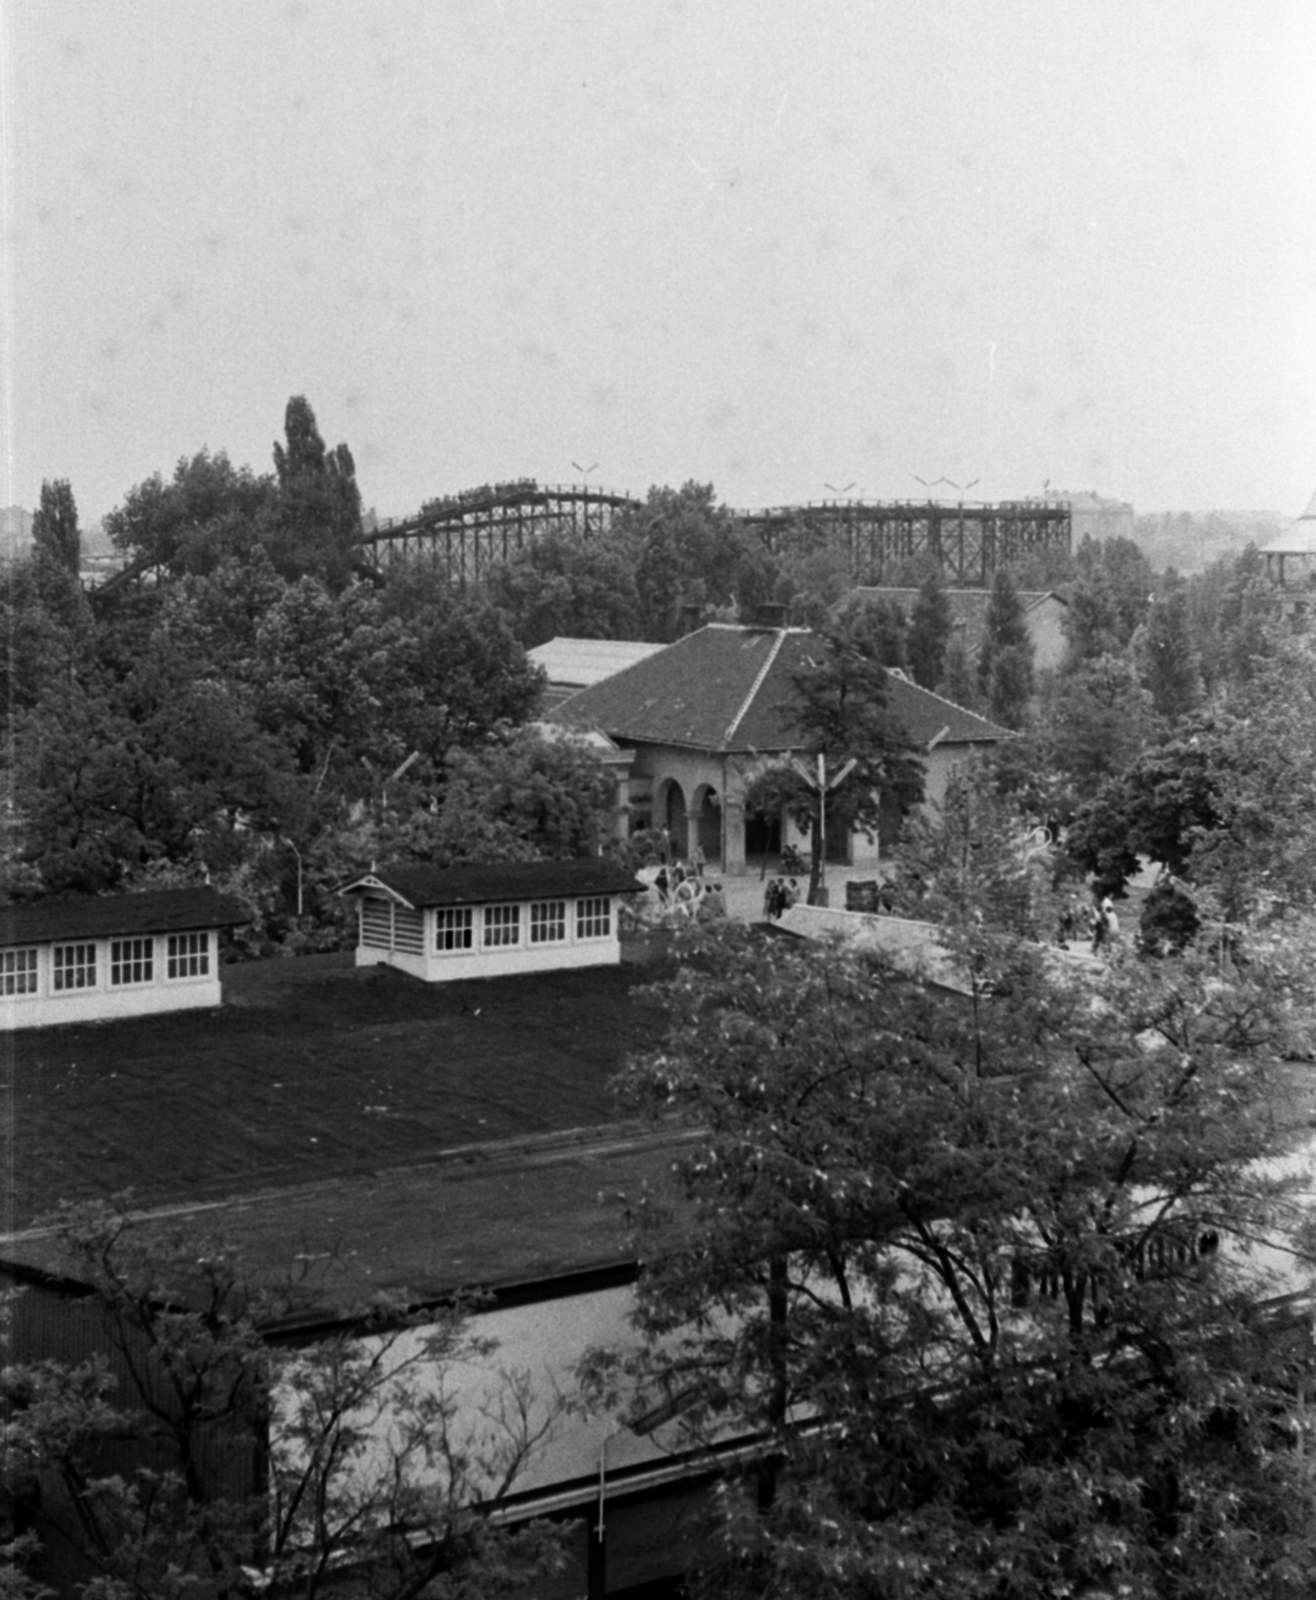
[729,688]
[508,1213]
[1043,611]
[966,604]
[1300,539]
[578,663]
[311,1070]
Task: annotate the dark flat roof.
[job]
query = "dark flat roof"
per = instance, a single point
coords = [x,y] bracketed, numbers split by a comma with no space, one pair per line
[103,916]
[312,1069]
[497,881]
[491,1217]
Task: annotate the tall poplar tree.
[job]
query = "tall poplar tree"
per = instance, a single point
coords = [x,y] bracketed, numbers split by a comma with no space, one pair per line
[55,533]
[930,625]
[1170,670]
[1005,658]
[317,523]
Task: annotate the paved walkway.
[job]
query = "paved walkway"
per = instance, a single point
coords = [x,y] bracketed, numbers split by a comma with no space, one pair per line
[744,892]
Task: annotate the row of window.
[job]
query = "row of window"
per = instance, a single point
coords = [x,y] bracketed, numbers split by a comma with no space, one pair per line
[502,926]
[392,927]
[131,962]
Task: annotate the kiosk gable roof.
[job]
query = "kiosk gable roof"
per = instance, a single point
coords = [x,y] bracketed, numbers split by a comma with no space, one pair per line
[483,883]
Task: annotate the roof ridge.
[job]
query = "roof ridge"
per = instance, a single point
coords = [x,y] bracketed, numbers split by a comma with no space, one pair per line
[954,705]
[757,684]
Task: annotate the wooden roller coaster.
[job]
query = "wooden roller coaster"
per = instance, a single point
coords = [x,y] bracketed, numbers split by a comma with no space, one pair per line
[466,534]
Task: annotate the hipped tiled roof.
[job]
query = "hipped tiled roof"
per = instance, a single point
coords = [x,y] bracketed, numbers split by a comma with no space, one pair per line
[107,916]
[728,688]
[482,884]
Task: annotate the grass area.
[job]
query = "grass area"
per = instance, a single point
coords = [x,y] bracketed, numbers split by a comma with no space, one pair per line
[312,1069]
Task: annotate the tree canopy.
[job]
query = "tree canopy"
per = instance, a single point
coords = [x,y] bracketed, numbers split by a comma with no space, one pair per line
[1005,657]
[859,765]
[977,1266]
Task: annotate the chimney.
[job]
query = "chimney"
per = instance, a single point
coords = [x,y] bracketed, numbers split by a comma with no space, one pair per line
[770,614]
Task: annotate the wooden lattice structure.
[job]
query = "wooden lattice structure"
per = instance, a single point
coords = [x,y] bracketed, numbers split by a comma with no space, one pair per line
[969,540]
[469,533]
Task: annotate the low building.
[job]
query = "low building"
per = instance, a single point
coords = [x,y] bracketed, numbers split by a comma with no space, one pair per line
[1297,544]
[485,921]
[94,957]
[707,714]
[1044,617]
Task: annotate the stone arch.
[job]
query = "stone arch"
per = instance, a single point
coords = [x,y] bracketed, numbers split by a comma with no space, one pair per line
[763,833]
[706,820]
[671,813]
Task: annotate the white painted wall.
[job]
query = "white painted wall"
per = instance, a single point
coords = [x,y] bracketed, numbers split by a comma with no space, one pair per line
[433,965]
[1046,628]
[103,1001]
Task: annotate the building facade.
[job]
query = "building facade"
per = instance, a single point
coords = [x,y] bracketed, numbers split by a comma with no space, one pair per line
[707,715]
[444,924]
[95,957]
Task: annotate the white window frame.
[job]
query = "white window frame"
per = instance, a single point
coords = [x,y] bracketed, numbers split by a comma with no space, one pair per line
[548,922]
[20,972]
[594,917]
[187,957]
[502,925]
[73,966]
[136,955]
[454,929]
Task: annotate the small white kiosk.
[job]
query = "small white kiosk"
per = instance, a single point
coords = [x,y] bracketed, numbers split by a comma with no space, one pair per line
[485,921]
[92,957]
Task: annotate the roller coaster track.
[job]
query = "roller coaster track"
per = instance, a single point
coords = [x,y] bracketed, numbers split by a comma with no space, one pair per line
[472,532]
[468,533]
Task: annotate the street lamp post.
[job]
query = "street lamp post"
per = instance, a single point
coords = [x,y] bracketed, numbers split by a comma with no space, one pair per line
[821,784]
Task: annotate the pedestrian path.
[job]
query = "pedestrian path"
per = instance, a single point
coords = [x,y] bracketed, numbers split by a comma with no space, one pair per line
[744,892]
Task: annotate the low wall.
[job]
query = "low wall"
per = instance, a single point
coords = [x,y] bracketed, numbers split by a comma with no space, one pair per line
[102,1005]
[455,966]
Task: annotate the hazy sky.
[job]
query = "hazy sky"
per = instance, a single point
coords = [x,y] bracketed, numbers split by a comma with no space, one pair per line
[768,244]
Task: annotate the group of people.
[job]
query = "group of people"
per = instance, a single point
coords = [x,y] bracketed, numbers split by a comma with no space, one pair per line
[1095,921]
[684,891]
[669,879]
[780,895]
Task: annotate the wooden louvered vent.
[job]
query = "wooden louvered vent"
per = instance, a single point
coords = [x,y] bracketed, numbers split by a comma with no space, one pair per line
[409,930]
[376,922]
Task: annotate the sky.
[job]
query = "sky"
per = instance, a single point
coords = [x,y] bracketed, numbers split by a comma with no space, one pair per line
[783,247]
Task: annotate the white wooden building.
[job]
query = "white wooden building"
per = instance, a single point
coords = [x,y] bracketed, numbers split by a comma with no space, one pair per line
[485,921]
[92,957]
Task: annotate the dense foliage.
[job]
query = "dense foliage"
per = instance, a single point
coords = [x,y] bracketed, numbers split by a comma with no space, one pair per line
[981,1267]
[198,1454]
[255,712]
